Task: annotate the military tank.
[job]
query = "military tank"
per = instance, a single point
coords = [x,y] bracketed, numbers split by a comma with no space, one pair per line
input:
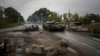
[31,28]
[53,26]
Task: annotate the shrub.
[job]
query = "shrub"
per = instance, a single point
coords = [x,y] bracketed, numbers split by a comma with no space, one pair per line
[94,28]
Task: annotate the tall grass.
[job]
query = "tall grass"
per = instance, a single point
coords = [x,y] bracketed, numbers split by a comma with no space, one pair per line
[94,28]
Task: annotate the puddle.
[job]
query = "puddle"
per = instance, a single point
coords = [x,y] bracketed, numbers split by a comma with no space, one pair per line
[16,33]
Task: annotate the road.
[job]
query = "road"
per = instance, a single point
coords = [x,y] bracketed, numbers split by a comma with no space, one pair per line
[82,41]
[15,28]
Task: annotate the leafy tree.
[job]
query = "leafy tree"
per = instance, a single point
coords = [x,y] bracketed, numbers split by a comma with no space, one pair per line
[81,19]
[41,14]
[12,15]
[88,18]
[75,18]
[94,17]
[59,18]
[44,12]
[1,12]
[9,16]
[65,17]
[53,16]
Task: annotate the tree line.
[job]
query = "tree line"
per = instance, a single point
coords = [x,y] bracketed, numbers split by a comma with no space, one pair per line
[86,19]
[48,15]
[9,16]
[69,17]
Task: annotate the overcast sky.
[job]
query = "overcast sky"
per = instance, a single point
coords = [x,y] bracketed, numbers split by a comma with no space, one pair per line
[27,7]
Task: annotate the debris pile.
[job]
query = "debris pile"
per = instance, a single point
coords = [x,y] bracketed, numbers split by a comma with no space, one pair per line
[41,50]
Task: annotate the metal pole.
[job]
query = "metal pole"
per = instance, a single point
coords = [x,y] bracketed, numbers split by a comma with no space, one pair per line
[41,19]
[69,20]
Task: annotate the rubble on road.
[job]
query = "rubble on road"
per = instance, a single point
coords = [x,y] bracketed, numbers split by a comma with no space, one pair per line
[59,50]
[34,48]
[36,44]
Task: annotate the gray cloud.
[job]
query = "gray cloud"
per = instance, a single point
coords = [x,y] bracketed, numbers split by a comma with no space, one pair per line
[27,7]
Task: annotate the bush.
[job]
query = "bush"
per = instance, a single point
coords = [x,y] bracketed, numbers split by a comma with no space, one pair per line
[7,25]
[94,28]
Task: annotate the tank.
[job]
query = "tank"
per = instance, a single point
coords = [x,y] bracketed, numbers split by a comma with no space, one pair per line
[53,26]
[32,28]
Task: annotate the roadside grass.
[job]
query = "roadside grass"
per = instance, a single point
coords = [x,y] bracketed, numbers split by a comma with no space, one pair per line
[9,25]
[63,23]
[95,29]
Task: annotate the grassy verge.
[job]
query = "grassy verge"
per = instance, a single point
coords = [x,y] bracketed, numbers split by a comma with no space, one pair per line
[9,25]
[95,29]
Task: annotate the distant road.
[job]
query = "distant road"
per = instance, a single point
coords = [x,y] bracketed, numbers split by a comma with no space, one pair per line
[14,28]
[19,28]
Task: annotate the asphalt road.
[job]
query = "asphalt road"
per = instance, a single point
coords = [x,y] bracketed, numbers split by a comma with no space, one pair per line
[15,28]
[82,41]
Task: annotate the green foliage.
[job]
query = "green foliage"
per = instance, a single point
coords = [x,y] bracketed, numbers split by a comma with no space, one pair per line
[65,17]
[75,18]
[43,12]
[1,13]
[89,17]
[94,28]
[63,22]
[54,17]
[37,15]
[68,17]
[83,19]
[46,14]
[12,17]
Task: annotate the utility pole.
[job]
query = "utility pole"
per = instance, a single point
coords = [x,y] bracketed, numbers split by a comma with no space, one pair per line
[69,16]
[41,19]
